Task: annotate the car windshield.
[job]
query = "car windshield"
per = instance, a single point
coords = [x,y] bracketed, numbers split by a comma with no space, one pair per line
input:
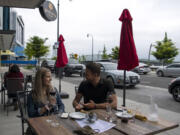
[51,62]
[110,66]
[73,61]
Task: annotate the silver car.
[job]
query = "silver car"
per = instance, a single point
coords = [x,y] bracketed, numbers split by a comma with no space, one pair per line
[170,70]
[109,71]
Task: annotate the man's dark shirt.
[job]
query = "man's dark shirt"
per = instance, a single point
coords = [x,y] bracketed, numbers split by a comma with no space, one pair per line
[99,93]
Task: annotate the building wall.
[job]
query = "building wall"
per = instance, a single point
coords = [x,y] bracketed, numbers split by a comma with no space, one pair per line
[9,20]
[16,23]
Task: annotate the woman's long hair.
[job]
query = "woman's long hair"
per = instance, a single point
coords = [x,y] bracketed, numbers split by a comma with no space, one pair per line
[37,92]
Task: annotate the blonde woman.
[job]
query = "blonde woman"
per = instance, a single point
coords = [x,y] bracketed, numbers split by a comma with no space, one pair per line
[43,99]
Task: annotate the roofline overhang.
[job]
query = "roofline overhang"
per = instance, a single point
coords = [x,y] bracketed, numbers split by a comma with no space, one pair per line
[6,39]
[21,3]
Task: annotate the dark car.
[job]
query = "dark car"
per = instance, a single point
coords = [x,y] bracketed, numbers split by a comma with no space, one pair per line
[174,89]
[48,64]
[74,67]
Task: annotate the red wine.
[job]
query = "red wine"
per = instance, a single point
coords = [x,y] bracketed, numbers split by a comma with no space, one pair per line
[52,93]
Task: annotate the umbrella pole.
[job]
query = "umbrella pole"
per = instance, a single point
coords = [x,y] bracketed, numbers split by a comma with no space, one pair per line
[124,89]
[59,80]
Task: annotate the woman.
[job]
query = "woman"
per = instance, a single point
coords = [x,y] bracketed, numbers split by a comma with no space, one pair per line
[5,75]
[40,102]
[14,72]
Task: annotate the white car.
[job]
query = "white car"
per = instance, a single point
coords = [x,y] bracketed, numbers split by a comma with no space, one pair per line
[142,69]
[109,71]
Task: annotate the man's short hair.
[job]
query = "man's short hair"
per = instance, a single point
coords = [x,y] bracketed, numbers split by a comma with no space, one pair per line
[94,68]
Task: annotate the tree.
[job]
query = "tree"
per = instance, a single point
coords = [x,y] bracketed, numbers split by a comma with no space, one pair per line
[165,50]
[104,55]
[36,48]
[115,53]
[54,58]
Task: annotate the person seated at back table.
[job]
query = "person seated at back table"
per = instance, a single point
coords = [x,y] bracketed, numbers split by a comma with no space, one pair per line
[41,101]
[14,72]
[94,90]
[5,75]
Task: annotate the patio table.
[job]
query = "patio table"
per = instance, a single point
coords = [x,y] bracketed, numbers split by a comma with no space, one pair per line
[67,126]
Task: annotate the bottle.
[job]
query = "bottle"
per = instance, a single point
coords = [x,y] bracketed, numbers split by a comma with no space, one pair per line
[153,110]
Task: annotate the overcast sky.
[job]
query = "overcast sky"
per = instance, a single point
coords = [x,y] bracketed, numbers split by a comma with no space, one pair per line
[151,19]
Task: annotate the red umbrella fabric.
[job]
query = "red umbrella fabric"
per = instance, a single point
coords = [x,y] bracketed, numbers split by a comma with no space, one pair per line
[62,59]
[128,58]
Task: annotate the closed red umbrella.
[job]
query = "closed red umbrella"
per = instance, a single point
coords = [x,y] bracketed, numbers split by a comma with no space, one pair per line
[128,58]
[62,59]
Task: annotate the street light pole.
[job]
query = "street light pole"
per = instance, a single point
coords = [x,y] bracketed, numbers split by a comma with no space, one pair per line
[58,21]
[149,54]
[92,44]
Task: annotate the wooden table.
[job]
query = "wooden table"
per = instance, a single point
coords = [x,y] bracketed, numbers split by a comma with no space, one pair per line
[67,126]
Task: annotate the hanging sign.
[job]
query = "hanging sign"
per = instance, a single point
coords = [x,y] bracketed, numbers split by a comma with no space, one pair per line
[48,11]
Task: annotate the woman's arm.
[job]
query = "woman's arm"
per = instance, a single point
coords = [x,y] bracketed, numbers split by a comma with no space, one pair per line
[60,104]
[33,109]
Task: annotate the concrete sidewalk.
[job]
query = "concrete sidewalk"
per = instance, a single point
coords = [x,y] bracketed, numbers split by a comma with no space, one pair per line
[11,125]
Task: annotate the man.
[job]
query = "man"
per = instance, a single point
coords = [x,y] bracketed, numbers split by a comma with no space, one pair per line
[94,90]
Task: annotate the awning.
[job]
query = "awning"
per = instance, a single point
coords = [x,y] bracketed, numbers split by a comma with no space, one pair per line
[7,52]
[21,3]
[6,39]
[19,50]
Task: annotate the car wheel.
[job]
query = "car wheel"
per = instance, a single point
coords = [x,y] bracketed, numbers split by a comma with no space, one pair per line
[145,73]
[67,74]
[110,79]
[160,74]
[176,93]
[132,86]
[81,74]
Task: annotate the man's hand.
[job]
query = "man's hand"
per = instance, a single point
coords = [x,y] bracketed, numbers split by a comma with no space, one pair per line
[90,105]
[78,107]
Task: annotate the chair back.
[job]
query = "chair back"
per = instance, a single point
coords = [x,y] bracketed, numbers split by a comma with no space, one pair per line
[22,102]
[14,85]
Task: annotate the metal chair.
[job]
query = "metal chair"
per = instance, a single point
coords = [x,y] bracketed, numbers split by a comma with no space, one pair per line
[13,85]
[22,104]
[63,95]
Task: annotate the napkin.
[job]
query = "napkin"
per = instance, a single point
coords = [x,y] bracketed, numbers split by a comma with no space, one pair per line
[140,117]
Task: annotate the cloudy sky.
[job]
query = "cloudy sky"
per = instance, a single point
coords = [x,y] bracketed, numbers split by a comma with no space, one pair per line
[100,18]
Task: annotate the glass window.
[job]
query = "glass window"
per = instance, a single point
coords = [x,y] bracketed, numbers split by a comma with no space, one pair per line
[171,66]
[110,66]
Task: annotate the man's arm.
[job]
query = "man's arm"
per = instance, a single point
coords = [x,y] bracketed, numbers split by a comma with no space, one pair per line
[92,105]
[76,101]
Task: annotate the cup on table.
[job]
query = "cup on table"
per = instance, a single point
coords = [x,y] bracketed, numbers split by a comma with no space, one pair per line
[108,107]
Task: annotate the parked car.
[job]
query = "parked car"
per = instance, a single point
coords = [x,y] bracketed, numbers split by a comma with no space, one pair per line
[48,64]
[74,67]
[109,71]
[142,69]
[174,89]
[170,70]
